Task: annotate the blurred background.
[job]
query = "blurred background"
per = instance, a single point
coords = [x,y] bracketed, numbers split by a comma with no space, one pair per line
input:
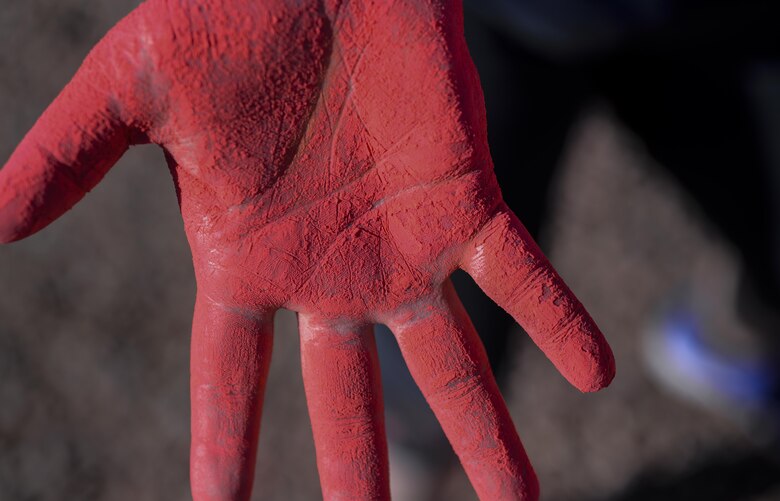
[640,139]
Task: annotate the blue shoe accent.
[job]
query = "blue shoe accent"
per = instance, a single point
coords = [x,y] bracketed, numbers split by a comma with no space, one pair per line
[750,382]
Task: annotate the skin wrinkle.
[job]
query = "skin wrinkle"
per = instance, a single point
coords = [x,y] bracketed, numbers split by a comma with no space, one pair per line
[348,184]
[328,157]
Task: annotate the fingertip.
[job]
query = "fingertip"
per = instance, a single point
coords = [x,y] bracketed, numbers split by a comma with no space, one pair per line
[10,234]
[598,383]
[7,238]
[532,489]
[9,231]
[600,373]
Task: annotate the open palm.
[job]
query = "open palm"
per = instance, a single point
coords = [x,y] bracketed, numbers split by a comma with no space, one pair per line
[330,158]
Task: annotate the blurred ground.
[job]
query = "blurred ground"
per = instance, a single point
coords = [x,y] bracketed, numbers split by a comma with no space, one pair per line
[95,313]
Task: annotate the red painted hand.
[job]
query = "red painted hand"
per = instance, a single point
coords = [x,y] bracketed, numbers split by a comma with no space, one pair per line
[331,158]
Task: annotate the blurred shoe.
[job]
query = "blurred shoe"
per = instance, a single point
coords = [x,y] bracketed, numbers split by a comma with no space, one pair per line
[690,352]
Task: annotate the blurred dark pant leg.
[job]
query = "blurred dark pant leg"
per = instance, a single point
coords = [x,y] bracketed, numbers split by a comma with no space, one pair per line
[697,124]
[695,109]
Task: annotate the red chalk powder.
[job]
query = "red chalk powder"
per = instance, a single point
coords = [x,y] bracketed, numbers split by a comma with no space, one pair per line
[330,158]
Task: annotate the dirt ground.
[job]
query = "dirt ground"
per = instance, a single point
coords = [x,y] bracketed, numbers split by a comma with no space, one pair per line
[95,314]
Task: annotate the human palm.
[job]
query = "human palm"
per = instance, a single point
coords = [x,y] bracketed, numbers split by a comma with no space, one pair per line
[330,158]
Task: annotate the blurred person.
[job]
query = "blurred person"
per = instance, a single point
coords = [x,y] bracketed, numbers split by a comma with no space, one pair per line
[699,83]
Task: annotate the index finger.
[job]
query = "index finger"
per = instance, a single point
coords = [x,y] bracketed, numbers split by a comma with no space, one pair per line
[509,267]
